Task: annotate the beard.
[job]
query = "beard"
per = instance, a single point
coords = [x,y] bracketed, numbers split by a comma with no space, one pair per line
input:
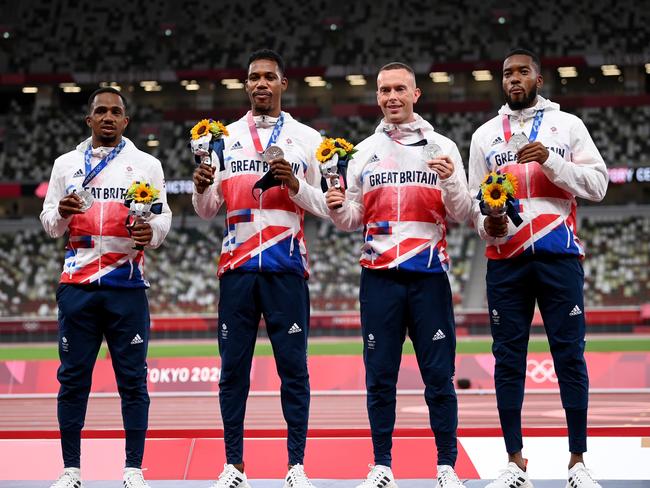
[527,101]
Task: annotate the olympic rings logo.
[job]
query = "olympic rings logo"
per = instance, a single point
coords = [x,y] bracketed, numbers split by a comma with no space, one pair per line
[541,371]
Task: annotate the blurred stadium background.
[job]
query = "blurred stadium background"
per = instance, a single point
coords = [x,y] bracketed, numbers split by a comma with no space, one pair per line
[179,61]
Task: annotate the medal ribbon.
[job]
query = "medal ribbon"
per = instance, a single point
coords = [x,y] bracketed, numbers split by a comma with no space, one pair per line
[102,164]
[256,137]
[421,142]
[537,122]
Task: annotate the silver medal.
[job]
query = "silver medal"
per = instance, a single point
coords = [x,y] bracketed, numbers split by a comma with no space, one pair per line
[517,141]
[273,152]
[87,199]
[431,151]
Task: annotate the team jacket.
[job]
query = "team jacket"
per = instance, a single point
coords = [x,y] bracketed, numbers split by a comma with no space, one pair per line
[402,204]
[264,232]
[546,192]
[99,249]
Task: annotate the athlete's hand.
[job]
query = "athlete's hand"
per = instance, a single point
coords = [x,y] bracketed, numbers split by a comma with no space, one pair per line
[203,177]
[443,165]
[70,205]
[335,198]
[496,226]
[535,151]
[282,171]
[141,233]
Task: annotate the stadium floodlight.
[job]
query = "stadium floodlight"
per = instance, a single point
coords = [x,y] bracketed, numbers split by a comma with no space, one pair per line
[30,89]
[610,70]
[236,85]
[145,83]
[567,71]
[229,81]
[647,68]
[312,79]
[317,83]
[69,87]
[356,80]
[153,143]
[482,75]
[192,86]
[440,77]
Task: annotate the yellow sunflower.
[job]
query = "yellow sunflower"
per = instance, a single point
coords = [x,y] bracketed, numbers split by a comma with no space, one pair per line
[217,129]
[345,145]
[495,195]
[143,192]
[201,129]
[512,179]
[326,150]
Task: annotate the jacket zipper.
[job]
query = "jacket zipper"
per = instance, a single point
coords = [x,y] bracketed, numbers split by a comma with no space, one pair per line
[101,233]
[399,217]
[259,228]
[530,222]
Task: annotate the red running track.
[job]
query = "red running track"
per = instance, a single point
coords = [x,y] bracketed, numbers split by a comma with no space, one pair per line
[327,412]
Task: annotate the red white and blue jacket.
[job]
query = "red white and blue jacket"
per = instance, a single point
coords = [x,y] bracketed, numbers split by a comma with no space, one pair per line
[402,204]
[263,232]
[99,249]
[546,193]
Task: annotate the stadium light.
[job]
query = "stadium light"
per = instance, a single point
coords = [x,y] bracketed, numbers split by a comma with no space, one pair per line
[439,77]
[236,85]
[315,81]
[610,70]
[30,89]
[482,75]
[69,87]
[228,81]
[192,85]
[356,80]
[567,71]
[153,143]
[647,68]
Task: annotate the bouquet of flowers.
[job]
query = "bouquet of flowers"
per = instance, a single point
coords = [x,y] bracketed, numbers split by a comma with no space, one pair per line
[207,136]
[497,196]
[334,155]
[142,201]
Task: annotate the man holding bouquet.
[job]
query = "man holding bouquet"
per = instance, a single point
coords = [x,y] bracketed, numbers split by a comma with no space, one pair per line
[554,160]
[265,173]
[102,292]
[403,184]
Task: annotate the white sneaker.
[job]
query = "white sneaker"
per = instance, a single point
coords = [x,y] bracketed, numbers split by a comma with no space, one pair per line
[447,477]
[580,477]
[511,477]
[71,478]
[296,478]
[133,478]
[379,477]
[231,477]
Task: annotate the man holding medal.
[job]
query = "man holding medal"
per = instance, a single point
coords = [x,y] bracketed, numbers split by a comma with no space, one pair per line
[102,292]
[265,175]
[403,183]
[554,160]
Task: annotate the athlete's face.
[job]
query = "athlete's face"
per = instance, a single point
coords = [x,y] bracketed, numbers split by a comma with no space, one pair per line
[521,80]
[264,86]
[107,119]
[396,95]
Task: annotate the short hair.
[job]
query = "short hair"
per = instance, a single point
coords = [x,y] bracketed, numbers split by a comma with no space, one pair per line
[397,65]
[105,89]
[268,54]
[526,52]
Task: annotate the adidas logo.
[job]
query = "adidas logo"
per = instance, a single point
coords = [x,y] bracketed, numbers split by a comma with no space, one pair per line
[498,140]
[439,335]
[294,329]
[79,173]
[236,145]
[373,159]
[137,340]
[576,311]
